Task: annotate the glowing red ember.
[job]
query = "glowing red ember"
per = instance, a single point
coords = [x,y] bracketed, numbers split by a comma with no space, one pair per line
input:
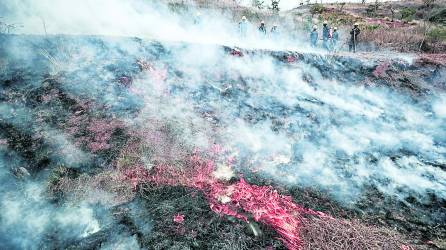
[179,218]
[263,203]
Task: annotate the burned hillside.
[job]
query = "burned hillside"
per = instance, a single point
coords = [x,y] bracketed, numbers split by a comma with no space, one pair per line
[110,142]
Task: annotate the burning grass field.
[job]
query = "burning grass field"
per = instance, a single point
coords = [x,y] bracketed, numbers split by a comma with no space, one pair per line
[143,144]
[144,125]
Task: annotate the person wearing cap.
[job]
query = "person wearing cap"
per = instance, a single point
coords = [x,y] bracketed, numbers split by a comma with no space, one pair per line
[325,35]
[262,28]
[197,19]
[354,38]
[314,37]
[334,38]
[243,27]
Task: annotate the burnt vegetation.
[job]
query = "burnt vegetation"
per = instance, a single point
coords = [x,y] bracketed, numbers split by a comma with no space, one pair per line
[128,143]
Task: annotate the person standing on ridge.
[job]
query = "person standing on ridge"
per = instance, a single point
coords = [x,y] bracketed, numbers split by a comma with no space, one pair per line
[334,39]
[274,31]
[325,35]
[354,38]
[197,19]
[243,27]
[262,28]
[314,37]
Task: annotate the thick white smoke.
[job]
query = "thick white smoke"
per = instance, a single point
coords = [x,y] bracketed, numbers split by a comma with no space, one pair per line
[136,18]
[26,215]
[334,135]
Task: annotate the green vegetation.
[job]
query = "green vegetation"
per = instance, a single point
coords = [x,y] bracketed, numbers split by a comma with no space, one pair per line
[307,24]
[407,14]
[339,19]
[428,3]
[258,4]
[438,16]
[372,27]
[251,15]
[317,9]
[371,10]
[178,7]
[438,33]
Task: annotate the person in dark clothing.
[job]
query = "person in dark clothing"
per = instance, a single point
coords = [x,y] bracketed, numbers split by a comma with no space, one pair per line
[314,36]
[354,38]
[262,28]
[325,35]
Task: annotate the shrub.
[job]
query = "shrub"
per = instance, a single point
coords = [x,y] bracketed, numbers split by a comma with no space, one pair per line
[401,39]
[438,34]
[439,16]
[178,7]
[371,10]
[251,15]
[258,4]
[372,27]
[317,9]
[428,3]
[6,28]
[58,173]
[407,13]
[420,14]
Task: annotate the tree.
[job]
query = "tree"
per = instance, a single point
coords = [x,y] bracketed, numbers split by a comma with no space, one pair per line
[371,12]
[427,25]
[6,28]
[428,3]
[392,11]
[258,4]
[341,6]
[376,5]
[407,13]
[275,5]
[317,9]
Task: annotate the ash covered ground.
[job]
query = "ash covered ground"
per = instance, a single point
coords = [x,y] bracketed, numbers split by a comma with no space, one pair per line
[113,142]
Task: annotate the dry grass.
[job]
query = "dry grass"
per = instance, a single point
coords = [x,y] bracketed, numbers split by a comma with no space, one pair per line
[404,39]
[320,233]
[106,188]
[208,4]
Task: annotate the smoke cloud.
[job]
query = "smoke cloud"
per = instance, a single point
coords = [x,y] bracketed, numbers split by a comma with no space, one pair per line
[136,18]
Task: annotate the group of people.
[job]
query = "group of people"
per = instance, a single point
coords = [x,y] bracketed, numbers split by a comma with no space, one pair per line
[330,37]
[262,30]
